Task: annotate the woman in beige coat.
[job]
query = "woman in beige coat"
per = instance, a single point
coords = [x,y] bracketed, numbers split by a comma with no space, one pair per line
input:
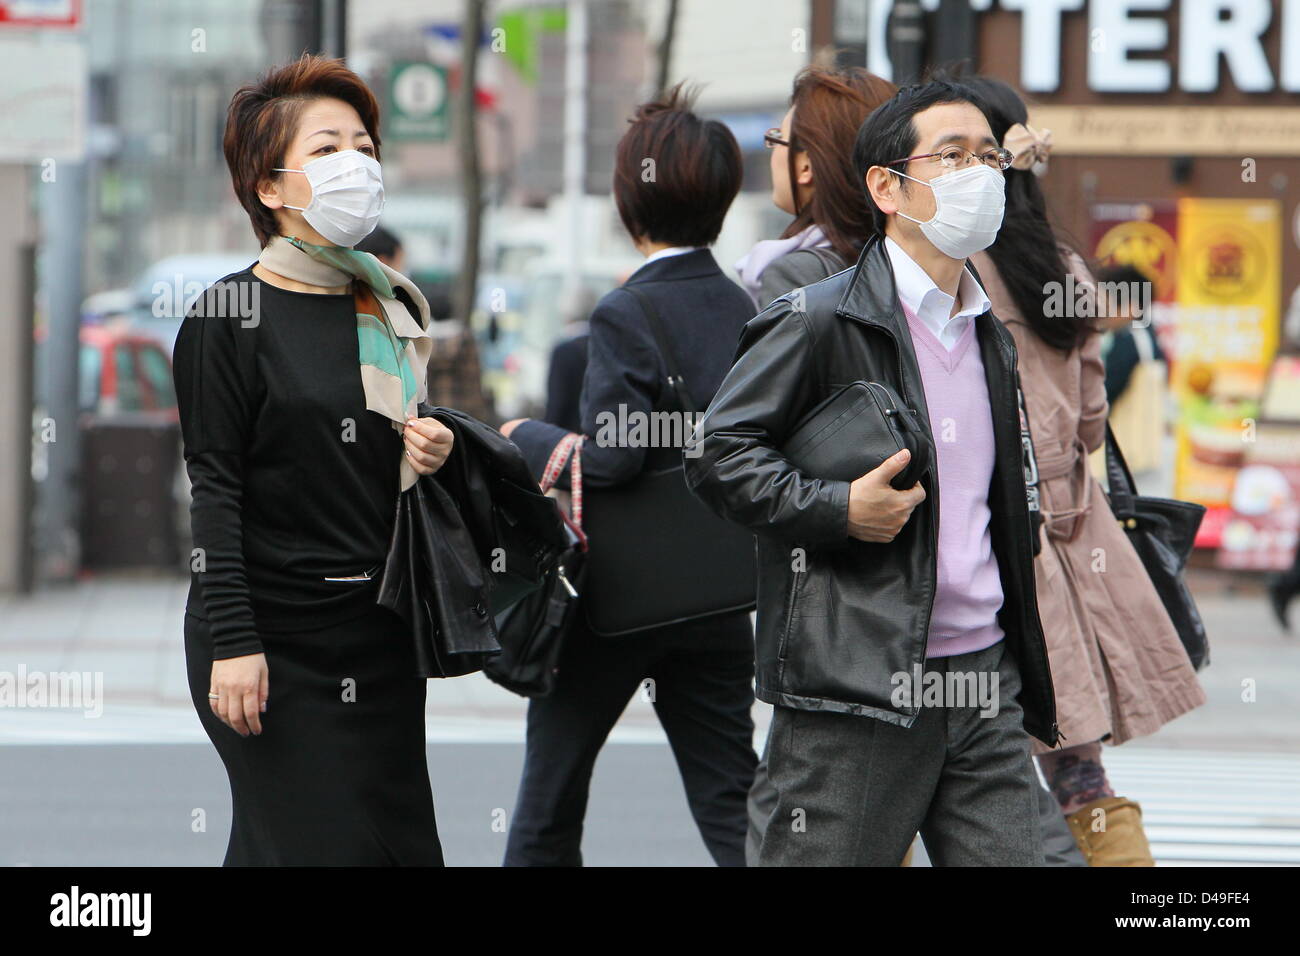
[1118,666]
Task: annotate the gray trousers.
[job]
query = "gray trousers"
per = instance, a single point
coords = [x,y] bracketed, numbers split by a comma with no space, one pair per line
[854,791]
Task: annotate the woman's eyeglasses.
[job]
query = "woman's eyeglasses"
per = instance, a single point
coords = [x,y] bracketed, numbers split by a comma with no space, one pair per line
[955,157]
[772,138]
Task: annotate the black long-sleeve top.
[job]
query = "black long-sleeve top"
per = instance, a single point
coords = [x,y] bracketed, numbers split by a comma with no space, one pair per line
[292,479]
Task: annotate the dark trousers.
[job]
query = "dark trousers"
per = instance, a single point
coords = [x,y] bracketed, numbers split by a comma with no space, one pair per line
[853,791]
[701,682]
[1288,582]
[1059,846]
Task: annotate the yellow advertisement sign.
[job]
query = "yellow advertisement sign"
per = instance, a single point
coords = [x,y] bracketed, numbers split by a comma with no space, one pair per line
[1226,321]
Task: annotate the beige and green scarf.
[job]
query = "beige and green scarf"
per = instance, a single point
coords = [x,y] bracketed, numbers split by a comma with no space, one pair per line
[394,346]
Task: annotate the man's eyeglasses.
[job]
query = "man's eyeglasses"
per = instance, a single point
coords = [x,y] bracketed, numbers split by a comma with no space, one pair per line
[955,157]
[772,138]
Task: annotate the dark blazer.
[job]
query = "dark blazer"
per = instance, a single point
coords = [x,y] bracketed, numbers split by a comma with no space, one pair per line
[835,627]
[703,313]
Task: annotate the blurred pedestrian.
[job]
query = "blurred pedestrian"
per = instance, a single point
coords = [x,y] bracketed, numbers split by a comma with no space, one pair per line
[1118,666]
[1283,587]
[874,600]
[298,381]
[702,670]
[1135,371]
[568,365]
[813,180]
[1282,590]
[385,247]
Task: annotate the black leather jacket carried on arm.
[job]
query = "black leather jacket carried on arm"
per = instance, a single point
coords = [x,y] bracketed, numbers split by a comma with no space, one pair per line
[838,617]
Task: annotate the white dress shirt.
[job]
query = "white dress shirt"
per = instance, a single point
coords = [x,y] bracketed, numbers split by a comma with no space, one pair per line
[931,304]
[664,254]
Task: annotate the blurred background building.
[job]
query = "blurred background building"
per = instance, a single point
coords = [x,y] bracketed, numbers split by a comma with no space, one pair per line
[1174,122]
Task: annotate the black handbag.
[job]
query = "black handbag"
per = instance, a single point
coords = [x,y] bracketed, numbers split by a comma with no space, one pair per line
[854,431]
[532,632]
[1162,531]
[657,555]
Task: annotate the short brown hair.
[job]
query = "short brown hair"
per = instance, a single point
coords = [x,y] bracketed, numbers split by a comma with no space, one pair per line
[675,174]
[829,107]
[263,116]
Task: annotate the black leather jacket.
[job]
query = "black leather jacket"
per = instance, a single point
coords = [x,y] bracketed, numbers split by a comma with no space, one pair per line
[468,542]
[838,617]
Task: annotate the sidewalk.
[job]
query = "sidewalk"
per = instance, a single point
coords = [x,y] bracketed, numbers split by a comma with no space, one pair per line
[128,629]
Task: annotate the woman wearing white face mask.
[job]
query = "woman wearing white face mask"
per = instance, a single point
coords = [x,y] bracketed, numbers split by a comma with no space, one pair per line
[1118,666]
[298,381]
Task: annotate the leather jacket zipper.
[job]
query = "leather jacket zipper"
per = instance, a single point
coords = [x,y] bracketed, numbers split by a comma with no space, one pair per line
[933,524]
[1022,544]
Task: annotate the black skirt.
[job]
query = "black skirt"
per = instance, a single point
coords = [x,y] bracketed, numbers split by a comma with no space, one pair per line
[338,776]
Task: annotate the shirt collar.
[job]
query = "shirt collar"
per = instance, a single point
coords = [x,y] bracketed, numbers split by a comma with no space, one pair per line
[665,253]
[925,299]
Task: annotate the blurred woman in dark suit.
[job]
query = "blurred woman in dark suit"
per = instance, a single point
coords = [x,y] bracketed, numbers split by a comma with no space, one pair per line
[675,178]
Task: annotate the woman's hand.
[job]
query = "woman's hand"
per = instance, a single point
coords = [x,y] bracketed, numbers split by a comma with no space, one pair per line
[240,684]
[510,426]
[428,443]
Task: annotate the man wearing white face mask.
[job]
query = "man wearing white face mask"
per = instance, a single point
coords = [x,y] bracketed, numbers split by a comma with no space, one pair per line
[898,636]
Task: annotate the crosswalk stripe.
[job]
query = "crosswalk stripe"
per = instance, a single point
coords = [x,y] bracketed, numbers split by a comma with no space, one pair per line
[1206,808]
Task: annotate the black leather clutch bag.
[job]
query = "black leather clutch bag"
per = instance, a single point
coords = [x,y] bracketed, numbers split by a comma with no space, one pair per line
[853,431]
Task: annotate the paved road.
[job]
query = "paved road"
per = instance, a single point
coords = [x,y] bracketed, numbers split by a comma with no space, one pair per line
[1219,785]
[133,805]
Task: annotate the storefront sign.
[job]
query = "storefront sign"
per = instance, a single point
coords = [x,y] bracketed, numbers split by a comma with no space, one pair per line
[1255,131]
[1226,322]
[1133,50]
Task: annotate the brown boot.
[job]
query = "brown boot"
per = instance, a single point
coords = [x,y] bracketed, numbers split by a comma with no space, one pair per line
[1113,837]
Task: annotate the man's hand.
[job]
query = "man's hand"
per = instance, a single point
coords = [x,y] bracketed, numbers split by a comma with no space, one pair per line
[877,510]
[428,443]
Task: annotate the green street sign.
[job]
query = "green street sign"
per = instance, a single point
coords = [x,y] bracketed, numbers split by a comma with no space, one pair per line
[419,103]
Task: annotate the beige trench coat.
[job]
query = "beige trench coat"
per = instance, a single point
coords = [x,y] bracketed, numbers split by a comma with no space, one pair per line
[1118,667]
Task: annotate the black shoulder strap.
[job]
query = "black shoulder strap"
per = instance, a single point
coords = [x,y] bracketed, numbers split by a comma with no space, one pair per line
[675,380]
[1119,480]
[1030,461]
[829,258]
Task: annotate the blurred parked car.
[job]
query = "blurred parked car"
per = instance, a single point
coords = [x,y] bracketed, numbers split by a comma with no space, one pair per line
[132,481]
[124,372]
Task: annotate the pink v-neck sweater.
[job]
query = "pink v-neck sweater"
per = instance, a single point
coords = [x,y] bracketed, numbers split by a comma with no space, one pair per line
[969,591]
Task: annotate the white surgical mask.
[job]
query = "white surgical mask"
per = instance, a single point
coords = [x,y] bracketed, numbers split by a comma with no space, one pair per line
[347,195]
[968,207]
